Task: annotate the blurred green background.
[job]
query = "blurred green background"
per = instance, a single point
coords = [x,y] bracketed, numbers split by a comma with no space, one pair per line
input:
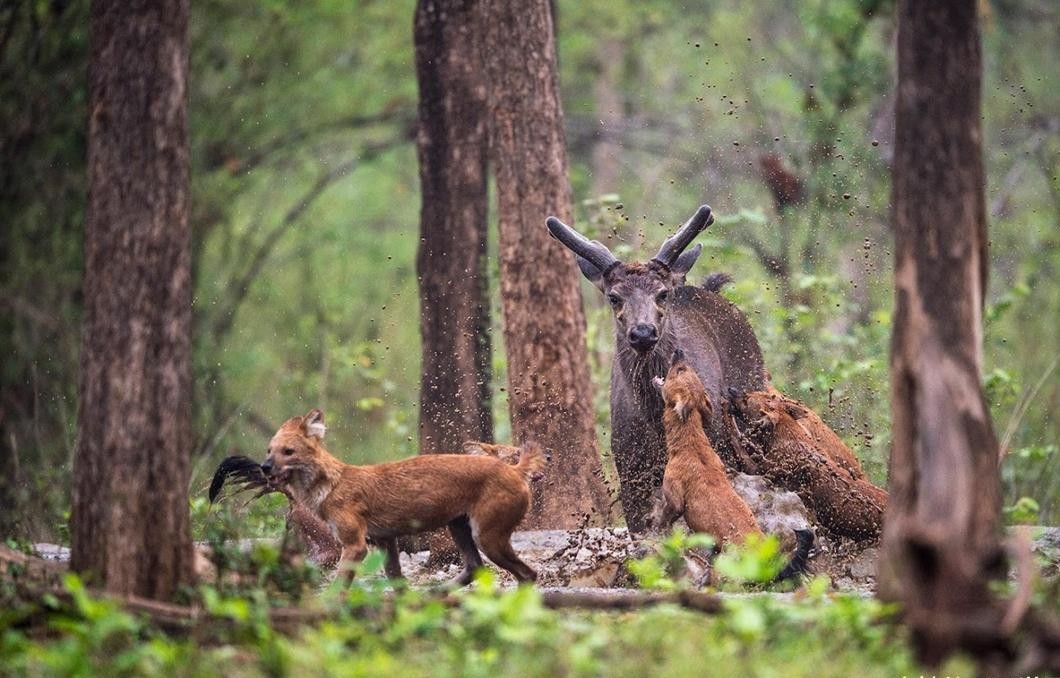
[305,214]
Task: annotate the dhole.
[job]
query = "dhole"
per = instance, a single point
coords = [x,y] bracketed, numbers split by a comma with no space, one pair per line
[480,498]
[823,437]
[790,455]
[694,483]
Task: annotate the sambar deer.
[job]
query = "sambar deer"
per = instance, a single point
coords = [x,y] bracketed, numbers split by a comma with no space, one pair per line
[654,312]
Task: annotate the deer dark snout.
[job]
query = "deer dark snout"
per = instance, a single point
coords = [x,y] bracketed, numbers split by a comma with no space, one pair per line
[643,337]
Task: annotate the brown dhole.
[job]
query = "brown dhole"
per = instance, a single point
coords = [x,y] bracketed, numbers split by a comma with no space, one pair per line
[823,437]
[480,498]
[694,483]
[791,456]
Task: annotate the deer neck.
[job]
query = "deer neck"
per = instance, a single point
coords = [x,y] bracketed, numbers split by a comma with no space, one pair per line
[638,370]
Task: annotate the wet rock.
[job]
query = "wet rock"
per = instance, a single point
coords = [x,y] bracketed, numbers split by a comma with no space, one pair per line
[777,511]
[602,576]
[864,567]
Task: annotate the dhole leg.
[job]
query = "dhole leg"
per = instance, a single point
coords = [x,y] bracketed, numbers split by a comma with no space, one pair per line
[460,529]
[393,559]
[500,551]
[496,544]
[354,548]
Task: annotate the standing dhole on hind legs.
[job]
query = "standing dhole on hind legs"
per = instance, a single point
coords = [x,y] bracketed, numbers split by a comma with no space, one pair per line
[695,484]
[479,497]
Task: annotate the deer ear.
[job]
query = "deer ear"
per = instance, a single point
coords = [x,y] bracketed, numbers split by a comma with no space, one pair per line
[474,447]
[591,272]
[684,264]
[313,424]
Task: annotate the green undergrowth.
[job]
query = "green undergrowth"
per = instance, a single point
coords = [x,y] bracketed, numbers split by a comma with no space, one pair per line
[374,628]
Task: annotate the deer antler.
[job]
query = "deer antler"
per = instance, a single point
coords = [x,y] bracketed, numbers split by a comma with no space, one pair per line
[593,251]
[675,244]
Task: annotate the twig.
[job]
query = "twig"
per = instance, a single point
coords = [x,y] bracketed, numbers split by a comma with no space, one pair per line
[1021,410]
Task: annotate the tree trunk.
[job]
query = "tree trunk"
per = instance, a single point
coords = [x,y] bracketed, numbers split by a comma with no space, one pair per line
[942,526]
[550,396]
[454,302]
[129,523]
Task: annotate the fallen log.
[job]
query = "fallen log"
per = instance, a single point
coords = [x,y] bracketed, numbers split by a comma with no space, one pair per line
[796,454]
[698,601]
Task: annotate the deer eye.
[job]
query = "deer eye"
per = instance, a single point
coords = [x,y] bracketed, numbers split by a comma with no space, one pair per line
[615,300]
[661,297]
[288,451]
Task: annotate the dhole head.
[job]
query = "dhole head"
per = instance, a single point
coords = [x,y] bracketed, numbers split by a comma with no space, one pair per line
[762,406]
[682,391]
[295,445]
[637,292]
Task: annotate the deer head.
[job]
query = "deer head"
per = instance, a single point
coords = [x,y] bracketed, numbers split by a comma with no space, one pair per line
[638,292]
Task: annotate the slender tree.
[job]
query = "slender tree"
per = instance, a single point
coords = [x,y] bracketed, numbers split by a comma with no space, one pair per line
[451,263]
[544,326]
[941,538]
[129,523]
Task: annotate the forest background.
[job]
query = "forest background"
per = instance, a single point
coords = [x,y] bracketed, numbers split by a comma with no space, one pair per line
[305,214]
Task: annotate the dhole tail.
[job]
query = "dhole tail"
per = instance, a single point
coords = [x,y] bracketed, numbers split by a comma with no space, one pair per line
[532,460]
[796,567]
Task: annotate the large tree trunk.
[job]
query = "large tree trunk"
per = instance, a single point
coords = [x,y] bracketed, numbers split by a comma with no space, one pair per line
[942,526]
[454,302]
[544,326]
[129,524]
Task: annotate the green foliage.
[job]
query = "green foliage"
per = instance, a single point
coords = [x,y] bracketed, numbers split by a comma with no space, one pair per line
[665,569]
[1024,512]
[481,631]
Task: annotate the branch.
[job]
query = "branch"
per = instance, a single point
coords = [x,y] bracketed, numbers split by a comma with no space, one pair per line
[241,286]
[775,265]
[698,601]
[263,153]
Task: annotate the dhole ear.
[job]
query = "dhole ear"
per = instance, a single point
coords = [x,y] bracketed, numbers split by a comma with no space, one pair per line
[313,424]
[682,408]
[474,447]
[706,408]
[794,411]
[657,382]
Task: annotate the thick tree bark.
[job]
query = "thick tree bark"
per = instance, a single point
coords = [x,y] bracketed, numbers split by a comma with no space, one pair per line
[544,326]
[454,302]
[942,526]
[129,524]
